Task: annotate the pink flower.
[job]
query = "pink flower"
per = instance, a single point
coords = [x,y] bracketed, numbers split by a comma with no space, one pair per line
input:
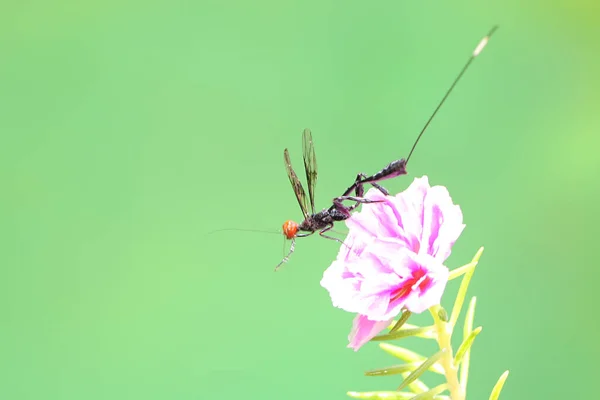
[394,257]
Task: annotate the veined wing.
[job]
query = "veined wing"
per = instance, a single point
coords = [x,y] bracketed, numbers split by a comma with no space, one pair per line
[310,165]
[296,184]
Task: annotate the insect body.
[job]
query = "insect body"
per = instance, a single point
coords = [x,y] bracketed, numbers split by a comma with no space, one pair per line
[323,221]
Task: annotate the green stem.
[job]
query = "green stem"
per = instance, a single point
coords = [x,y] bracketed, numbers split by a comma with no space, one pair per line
[444,336]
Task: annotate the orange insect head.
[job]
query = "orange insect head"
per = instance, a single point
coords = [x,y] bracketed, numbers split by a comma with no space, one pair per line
[290,228]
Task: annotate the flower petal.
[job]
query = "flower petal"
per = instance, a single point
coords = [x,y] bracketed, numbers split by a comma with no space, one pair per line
[363,330]
[442,223]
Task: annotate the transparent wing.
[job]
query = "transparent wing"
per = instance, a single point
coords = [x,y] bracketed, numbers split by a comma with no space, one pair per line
[310,165]
[296,184]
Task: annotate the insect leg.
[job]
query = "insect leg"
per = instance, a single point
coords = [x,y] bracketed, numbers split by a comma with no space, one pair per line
[393,169]
[339,200]
[380,188]
[358,185]
[304,234]
[362,200]
[358,188]
[339,205]
[328,227]
[286,258]
[355,186]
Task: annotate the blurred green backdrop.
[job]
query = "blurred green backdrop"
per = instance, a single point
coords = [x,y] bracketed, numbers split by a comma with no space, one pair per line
[129,130]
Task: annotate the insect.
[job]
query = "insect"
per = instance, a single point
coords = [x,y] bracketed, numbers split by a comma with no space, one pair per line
[324,220]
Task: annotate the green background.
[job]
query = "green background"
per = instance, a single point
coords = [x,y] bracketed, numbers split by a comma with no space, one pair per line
[130,130]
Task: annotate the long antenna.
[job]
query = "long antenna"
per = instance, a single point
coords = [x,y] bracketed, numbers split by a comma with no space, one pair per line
[242,230]
[476,52]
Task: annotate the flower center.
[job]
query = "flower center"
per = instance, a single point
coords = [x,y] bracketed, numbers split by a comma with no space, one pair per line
[418,281]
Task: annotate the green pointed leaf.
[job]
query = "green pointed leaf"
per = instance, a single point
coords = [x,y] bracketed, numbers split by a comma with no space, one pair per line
[409,356]
[498,387]
[389,395]
[462,290]
[468,328]
[417,386]
[425,332]
[470,316]
[460,271]
[466,345]
[403,318]
[422,368]
[402,353]
[431,394]
[406,325]
[392,370]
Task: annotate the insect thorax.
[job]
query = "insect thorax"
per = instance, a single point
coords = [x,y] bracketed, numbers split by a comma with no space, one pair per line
[320,220]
